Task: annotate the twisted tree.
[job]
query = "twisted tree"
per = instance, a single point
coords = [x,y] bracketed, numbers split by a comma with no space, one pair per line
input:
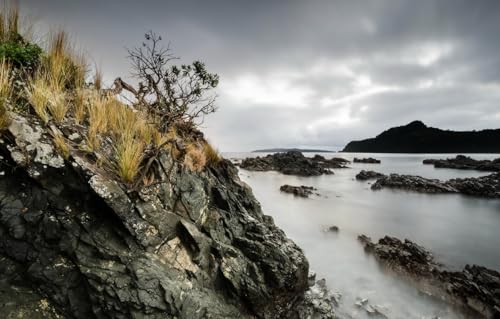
[169,92]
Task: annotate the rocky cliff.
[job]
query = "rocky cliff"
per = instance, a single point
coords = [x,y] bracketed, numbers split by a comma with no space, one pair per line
[416,137]
[190,245]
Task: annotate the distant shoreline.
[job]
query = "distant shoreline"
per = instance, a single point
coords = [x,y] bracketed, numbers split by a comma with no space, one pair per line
[278,150]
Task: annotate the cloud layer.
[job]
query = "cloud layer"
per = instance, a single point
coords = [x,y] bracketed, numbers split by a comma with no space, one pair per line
[311,73]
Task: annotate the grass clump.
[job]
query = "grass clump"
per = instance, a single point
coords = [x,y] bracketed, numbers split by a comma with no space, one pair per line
[128,157]
[195,158]
[5,93]
[212,155]
[61,145]
[38,97]
[57,105]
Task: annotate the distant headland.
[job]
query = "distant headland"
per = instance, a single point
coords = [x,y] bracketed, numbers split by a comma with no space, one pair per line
[282,150]
[416,137]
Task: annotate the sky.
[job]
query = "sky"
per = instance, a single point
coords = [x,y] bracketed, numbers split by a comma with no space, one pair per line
[312,73]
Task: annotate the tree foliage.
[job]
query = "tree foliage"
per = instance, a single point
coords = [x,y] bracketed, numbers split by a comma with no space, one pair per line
[172,93]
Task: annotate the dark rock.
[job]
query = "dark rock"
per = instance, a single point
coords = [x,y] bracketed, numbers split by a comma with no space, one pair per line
[484,186]
[334,229]
[416,137]
[369,160]
[301,191]
[293,163]
[466,163]
[366,175]
[475,287]
[193,245]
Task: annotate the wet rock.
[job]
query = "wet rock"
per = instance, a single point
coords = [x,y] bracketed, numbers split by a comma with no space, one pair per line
[475,287]
[484,186]
[369,160]
[333,229]
[465,163]
[293,163]
[366,175]
[194,245]
[300,191]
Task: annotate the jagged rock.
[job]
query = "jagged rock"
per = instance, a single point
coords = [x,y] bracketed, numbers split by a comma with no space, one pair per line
[366,175]
[293,163]
[301,191]
[191,245]
[484,186]
[369,160]
[466,163]
[475,287]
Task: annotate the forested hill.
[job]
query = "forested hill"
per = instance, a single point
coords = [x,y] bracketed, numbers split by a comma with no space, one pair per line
[416,137]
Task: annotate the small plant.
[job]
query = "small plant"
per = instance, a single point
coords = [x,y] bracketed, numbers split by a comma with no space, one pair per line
[38,97]
[195,158]
[5,93]
[61,145]
[212,155]
[128,158]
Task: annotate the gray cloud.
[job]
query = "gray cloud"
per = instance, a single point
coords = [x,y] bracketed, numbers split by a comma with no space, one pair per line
[317,73]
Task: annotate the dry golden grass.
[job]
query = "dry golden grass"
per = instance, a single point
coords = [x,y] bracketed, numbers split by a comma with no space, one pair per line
[195,158]
[61,145]
[38,97]
[57,106]
[9,22]
[80,108]
[98,78]
[212,155]
[5,93]
[129,153]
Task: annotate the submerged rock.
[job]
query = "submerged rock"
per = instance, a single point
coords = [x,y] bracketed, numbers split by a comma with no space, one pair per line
[466,163]
[475,288]
[293,163]
[191,245]
[369,160]
[301,191]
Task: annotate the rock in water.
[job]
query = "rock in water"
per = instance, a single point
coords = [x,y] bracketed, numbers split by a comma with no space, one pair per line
[191,245]
[475,287]
[301,191]
[293,163]
[465,162]
[369,160]
[366,175]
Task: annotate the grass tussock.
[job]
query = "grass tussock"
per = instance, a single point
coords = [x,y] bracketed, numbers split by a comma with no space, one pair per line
[211,154]
[5,93]
[58,107]
[61,145]
[9,23]
[195,158]
[128,157]
[98,78]
[79,106]
[38,96]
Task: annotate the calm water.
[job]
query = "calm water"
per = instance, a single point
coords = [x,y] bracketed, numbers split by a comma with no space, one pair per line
[457,229]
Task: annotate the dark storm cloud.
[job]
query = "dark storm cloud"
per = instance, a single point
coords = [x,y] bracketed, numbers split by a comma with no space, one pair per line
[297,73]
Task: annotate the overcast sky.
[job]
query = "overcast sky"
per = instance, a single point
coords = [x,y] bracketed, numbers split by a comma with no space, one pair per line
[310,73]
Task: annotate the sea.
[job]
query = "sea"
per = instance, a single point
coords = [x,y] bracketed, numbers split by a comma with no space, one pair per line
[457,229]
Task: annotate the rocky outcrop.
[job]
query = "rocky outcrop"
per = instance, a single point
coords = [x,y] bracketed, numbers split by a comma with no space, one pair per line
[293,163]
[465,162]
[484,186]
[476,288]
[190,245]
[369,160]
[300,191]
[416,137]
[366,175]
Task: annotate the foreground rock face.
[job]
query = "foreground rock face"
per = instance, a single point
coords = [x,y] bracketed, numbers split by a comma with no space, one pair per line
[293,163]
[465,162]
[301,191]
[484,186]
[476,288]
[369,160]
[192,245]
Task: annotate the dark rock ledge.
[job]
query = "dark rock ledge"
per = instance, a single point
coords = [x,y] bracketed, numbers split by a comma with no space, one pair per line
[193,245]
[484,186]
[465,162]
[293,163]
[369,160]
[475,288]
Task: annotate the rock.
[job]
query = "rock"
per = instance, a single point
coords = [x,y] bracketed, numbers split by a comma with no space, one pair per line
[366,175]
[334,229]
[484,186]
[301,191]
[475,287]
[293,163]
[369,160]
[192,245]
[465,163]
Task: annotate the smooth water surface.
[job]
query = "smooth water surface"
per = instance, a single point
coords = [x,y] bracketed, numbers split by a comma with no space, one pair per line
[457,229]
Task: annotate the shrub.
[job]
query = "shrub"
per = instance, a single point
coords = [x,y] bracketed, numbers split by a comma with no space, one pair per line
[20,54]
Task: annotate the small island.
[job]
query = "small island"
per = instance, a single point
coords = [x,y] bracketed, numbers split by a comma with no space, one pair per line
[284,150]
[416,137]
